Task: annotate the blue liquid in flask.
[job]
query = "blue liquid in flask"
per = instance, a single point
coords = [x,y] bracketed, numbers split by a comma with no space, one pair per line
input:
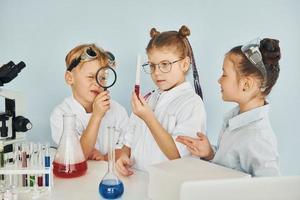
[111,188]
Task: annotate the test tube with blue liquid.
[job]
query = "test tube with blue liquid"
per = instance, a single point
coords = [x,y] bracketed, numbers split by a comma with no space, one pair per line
[47,164]
[111,187]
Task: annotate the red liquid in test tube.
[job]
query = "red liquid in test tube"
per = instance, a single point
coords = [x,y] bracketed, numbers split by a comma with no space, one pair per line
[138,76]
[24,165]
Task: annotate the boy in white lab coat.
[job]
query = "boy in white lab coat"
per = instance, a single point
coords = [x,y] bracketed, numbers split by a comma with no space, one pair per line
[94,109]
[247,141]
[173,109]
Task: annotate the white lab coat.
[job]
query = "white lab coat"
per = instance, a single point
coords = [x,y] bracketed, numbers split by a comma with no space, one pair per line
[116,116]
[180,112]
[247,143]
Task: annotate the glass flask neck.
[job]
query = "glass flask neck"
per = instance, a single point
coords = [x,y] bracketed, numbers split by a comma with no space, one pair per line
[111,150]
[68,123]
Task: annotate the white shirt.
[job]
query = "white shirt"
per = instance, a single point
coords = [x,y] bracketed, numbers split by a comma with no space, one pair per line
[180,111]
[116,116]
[247,143]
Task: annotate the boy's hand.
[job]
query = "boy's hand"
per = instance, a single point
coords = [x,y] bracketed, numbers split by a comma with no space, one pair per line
[101,103]
[96,155]
[123,165]
[140,107]
[198,146]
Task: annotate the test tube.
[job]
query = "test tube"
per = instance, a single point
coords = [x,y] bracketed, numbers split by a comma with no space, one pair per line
[24,164]
[47,164]
[1,158]
[33,163]
[1,163]
[40,164]
[15,163]
[30,153]
[138,76]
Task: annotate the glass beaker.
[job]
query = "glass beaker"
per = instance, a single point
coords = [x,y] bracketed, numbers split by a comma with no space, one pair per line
[111,187]
[69,160]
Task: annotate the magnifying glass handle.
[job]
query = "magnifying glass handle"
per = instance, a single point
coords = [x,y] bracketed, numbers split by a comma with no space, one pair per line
[105,89]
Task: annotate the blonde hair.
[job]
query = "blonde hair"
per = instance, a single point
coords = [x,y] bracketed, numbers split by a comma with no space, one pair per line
[77,51]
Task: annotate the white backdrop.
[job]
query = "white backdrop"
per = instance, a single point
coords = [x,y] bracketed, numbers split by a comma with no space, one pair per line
[42,32]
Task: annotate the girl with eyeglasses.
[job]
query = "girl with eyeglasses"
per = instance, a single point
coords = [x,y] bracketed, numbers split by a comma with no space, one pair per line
[173,109]
[247,142]
[94,108]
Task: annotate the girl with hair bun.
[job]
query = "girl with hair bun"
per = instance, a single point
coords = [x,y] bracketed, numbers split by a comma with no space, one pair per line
[173,109]
[247,141]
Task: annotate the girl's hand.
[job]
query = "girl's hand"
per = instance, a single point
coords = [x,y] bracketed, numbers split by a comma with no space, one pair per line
[101,103]
[198,146]
[96,155]
[123,165]
[140,107]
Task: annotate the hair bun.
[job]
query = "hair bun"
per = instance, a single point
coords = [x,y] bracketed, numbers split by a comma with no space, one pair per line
[184,31]
[154,32]
[270,51]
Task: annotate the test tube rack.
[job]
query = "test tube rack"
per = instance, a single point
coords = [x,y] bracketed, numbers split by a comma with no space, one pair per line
[32,187]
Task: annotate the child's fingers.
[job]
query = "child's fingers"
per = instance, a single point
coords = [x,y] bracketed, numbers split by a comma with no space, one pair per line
[188,138]
[133,105]
[135,100]
[142,100]
[192,150]
[106,103]
[183,141]
[104,98]
[136,105]
[103,95]
[179,139]
[123,165]
[93,155]
[201,135]
[128,163]
[123,168]
[98,158]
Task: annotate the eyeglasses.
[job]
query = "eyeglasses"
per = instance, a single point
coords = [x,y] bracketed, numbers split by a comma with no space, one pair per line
[164,66]
[90,54]
[252,52]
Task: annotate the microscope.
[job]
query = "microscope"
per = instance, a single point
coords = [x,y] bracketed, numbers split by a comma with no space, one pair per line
[12,122]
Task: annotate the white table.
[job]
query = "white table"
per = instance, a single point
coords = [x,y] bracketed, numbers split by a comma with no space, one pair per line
[135,186]
[86,187]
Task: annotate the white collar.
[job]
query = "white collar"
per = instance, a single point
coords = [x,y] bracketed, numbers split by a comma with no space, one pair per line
[235,120]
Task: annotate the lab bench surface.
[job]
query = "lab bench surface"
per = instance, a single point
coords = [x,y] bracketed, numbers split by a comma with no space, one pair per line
[86,187]
[137,186]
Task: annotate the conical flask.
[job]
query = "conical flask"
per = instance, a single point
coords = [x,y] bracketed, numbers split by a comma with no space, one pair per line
[111,187]
[69,160]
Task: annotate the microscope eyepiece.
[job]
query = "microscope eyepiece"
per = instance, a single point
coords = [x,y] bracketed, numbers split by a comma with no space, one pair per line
[10,71]
[21,65]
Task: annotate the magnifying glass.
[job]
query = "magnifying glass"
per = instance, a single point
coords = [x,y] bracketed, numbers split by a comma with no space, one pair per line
[106,77]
